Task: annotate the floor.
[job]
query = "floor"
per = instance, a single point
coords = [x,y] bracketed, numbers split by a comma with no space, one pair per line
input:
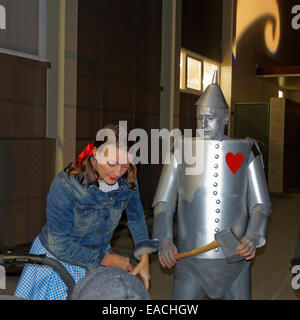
[271,270]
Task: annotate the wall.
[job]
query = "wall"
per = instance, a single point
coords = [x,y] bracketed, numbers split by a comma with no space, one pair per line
[252,52]
[119,51]
[27,156]
[293,95]
[202,27]
[284,147]
[291,169]
[201,32]
[61,50]
[246,86]
[37,110]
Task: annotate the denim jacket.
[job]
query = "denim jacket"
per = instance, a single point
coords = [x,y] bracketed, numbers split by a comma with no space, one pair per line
[81,220]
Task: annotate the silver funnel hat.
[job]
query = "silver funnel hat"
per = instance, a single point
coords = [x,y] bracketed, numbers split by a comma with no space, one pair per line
[212,97]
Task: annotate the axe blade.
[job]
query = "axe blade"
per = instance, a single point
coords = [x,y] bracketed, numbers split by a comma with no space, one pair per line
[228,243]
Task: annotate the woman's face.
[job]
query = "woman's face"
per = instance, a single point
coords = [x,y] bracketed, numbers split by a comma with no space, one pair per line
[111,163]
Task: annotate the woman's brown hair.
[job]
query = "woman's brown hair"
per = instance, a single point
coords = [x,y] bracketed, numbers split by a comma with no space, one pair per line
[86,170]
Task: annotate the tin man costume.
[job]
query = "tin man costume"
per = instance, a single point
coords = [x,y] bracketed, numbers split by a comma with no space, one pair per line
[230,191]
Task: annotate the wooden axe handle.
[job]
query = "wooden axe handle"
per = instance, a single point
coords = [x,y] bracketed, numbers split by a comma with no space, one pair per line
[208,247]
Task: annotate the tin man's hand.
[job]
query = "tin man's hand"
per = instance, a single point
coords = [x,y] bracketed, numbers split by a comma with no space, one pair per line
[166,253]
[247,248]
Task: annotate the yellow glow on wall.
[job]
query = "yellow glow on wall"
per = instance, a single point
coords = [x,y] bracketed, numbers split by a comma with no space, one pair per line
[249,12]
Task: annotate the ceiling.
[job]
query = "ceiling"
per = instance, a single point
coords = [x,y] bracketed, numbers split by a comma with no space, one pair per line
[286,77]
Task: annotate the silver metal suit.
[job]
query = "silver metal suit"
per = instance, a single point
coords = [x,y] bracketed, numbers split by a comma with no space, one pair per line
[230,191]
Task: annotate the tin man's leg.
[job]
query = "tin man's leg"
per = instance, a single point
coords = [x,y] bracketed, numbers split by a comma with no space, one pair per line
[186,285]
[241,287]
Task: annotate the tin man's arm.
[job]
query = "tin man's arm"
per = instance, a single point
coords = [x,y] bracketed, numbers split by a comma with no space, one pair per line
[164,202]
[259,204]
[164,207]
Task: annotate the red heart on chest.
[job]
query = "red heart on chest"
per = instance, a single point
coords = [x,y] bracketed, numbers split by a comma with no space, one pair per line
[234,162]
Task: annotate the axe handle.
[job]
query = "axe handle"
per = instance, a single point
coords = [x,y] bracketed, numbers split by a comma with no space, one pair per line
[208,247]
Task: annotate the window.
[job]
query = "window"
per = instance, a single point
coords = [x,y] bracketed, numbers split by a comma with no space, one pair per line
[23,27]
[193,75]
[208,73]
[196,72]
[2,17]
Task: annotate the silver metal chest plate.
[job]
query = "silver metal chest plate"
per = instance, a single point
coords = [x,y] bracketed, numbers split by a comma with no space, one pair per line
[216,198]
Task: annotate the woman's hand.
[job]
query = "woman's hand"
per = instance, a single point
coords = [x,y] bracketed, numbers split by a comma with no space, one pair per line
[143,270]
[116,260]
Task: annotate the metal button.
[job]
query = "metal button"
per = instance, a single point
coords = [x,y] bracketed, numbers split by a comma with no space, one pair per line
[218,201]
[215,175]
[218,211]
[105,218]
[85,214]
[215,193]
[217,220]
[216,166]
[217,229]
[111,198]
[217,146]
[217,249]
[99,233]
[216,156]
[215,184]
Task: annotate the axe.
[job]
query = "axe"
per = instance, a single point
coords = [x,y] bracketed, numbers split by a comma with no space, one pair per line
[226,240]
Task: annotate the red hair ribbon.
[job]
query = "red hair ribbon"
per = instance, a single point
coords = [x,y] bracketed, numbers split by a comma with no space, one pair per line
[88,151]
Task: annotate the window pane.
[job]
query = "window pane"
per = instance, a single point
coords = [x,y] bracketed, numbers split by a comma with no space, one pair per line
[182,69]
[19,25]
[193,74]
[208,72]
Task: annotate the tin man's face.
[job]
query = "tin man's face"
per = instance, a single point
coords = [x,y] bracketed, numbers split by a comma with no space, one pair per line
[213,122]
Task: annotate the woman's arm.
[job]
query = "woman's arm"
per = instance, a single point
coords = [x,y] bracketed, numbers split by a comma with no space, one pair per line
[60,216]
[136,218]
[138,229]
[137,226]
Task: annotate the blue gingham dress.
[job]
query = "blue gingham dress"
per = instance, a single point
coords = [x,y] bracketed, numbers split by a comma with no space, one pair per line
[42,282]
